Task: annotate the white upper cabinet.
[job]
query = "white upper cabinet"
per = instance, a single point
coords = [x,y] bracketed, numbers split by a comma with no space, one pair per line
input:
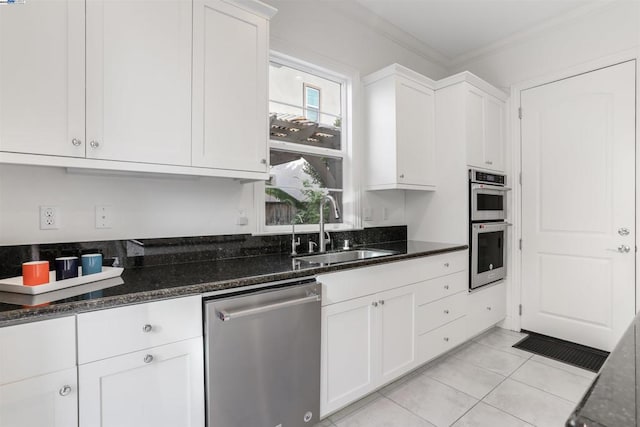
[42,78]
[400,109]
[230,85]
[139,80]
[471,110]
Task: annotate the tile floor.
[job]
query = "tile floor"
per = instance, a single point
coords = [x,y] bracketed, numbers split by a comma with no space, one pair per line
[485,382]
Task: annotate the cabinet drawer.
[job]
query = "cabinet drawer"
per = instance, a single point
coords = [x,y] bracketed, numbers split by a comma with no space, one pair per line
[358,282]
[37,348]
[434,289]
[487,307]
[111,332]
[441,340]
[433,315]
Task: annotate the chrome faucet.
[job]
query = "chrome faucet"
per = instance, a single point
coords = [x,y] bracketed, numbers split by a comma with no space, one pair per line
[322,242]
[294,243]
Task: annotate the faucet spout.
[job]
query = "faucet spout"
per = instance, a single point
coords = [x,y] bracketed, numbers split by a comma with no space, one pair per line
[322,242]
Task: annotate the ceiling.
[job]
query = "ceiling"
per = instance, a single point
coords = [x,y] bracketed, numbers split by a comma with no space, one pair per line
[457,28]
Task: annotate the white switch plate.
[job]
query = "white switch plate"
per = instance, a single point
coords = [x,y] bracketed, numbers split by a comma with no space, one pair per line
[242,220]
[49,218]
[103,216]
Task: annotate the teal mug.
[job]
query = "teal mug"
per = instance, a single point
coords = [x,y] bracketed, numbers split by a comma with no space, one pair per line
[91,264]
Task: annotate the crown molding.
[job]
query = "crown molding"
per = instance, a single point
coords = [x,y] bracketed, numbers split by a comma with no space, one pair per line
[356,12]
[472,79]
[399,70]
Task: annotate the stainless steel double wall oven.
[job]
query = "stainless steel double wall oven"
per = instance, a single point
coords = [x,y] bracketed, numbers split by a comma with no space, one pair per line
[488,228]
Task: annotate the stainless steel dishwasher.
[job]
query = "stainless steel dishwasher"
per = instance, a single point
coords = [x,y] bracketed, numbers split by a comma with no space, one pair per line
[262,352]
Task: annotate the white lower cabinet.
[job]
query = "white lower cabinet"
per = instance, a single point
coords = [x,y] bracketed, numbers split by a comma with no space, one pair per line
[487,306]
[441,340]
[160,386]
[45,400]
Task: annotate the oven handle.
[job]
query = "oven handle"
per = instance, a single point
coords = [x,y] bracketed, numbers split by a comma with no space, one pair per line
[225,315]
[476,187]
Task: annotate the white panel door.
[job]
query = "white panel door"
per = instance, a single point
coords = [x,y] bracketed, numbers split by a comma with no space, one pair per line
[159,387]
[230,113]
[578,196]
[415,127]
[139,80]
[47,400]
[347,352]
[396,319]
[42,78]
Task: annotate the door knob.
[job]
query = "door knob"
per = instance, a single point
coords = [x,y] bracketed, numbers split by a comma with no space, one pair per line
[624,248]
[623,231]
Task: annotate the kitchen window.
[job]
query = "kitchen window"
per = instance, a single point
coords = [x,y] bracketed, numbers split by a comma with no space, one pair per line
[309,152]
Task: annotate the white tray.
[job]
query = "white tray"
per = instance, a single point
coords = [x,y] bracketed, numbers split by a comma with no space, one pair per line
[31,300]
[14,284]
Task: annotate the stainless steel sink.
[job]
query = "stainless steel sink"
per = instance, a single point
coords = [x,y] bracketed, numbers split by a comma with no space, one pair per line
[339,257]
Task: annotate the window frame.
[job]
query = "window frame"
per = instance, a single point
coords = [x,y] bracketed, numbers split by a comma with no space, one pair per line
[305,103]
[351,218]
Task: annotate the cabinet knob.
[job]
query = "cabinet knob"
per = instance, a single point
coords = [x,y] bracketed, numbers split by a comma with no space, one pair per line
[446,339]
[147,328]
[94,144]
[446,264]
[489,308]
[402,175]
[446,287]
[76,142]
[446,312]
[65,390]
[381,302]
[489,162]
[148,358]
[375,303]
[263,161]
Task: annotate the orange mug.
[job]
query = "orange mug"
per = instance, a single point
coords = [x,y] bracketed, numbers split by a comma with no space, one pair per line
[35,273]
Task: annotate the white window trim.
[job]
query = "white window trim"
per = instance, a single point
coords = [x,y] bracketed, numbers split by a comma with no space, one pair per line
[351,198]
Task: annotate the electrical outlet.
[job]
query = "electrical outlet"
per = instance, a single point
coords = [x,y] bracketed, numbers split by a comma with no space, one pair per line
[49,218]
[103,216]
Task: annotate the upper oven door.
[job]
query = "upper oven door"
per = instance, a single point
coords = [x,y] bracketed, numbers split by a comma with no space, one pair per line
[488,202]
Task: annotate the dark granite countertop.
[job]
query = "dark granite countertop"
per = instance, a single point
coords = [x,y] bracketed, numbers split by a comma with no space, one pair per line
[140,284]
[612,400]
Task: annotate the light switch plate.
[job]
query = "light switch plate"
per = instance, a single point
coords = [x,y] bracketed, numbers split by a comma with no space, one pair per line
[103,216]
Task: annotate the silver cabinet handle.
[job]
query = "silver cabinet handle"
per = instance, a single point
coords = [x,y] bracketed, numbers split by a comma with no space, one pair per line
[381,302]
[76,142]
[263,161]
[375,303]
[147,328]
[624,249]
[489,162]
[94,144]
[446,264]
[148,358]
[489,308]
[446,312]
[65,390]
[446,339]
[401,175]
[446,287]
[623,231]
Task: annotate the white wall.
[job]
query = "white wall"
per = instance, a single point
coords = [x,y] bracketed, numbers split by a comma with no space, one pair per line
[167,207]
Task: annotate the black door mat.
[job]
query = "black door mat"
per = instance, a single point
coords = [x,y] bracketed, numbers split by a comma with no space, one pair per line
[564,351]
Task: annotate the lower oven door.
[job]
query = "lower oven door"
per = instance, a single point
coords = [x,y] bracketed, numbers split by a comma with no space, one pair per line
[488,253]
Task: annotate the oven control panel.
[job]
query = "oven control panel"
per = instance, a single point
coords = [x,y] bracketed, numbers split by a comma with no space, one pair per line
[488,178]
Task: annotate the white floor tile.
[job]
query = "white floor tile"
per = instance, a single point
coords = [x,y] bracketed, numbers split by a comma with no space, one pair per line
[565,367]
[553,380]
[502,339]
[382,412]
[483,415]
[497,361]
[354,407]
[438,403]
[530,404]
[324,423]
[463,376]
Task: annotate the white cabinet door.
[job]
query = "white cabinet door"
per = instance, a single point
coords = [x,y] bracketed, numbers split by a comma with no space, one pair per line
[139,80]
[230,113]
[46,400]
[160,386]
[347,352]
[396,320]
[487,306]
[484,130]
[415,119]
[42,78]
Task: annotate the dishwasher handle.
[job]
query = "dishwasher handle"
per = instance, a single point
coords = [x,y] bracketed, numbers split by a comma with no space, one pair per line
[226,316]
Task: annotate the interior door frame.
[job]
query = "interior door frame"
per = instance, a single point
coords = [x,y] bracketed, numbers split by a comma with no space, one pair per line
[514,281]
